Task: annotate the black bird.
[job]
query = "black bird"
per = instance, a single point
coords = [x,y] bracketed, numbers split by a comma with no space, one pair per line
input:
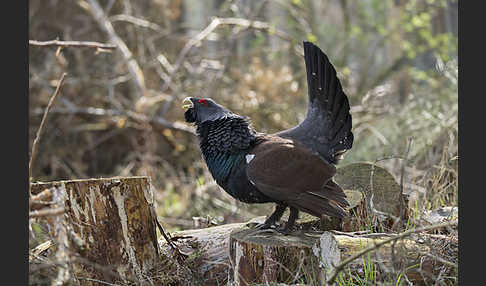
[293,168]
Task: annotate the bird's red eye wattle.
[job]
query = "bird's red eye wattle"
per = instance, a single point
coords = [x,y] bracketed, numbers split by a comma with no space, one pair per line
[203,101]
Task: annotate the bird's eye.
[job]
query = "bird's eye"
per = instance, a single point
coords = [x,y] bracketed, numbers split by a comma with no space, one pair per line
[203,101]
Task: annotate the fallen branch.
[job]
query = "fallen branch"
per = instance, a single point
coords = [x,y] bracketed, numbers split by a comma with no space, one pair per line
[213,263]
[341,266]
[70,44]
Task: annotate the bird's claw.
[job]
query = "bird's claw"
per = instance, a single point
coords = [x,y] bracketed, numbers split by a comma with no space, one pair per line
[284,230]
[267,227]
[263,227]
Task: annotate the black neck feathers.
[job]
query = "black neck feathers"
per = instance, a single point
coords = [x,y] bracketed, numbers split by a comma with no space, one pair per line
[231,134]
[224,143]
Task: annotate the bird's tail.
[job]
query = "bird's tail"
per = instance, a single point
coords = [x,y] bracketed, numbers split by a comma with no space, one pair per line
[327,125]
[330,200]
[326,95]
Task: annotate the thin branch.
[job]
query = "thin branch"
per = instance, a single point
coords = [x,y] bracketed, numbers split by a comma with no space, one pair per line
[179,254]
[402,175]
[216,22]
[97,281]
[370,203]
[107,270]
[75,44]
[39,132]
[35,252]
[135,70]
[136,21]
[341,266]
[47,212]
[156,122]
[441,260]
[41,200]
[381,77]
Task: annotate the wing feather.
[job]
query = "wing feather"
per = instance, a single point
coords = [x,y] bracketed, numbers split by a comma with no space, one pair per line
[292,174]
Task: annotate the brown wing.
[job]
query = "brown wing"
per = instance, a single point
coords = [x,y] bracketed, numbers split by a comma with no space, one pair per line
[292,174]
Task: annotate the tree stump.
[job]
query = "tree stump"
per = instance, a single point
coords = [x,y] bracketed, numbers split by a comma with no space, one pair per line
[109,228]
[262,257]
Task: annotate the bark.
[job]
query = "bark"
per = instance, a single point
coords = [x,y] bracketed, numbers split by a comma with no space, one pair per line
[264,257]
[257,257]
[108,230]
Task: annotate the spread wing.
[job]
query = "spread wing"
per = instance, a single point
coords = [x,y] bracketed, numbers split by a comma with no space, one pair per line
[327,127]
[295,176]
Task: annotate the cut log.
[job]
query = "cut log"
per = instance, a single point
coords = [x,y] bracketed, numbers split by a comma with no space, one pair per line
[375,182]
[109,224]
[384,200]
[252,254]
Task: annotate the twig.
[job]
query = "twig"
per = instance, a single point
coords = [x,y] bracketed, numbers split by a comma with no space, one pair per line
[41,200]
[107,270]
[216,22]
[75,44]
[136,21]
[441,260]
[341,266]
[40,249]
[397,64]
[179,253]
[210,28]
[45,195]
[47,212]
[97,281]
[135,70]
[39,132]
[402,175]
[156,122]
[404,163]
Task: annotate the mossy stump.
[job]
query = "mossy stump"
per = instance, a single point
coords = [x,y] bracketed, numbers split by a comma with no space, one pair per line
[108,227]
[263,256]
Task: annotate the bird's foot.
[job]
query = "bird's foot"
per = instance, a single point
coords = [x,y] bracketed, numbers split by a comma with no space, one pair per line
[285,230]
[265,225]
[263,228]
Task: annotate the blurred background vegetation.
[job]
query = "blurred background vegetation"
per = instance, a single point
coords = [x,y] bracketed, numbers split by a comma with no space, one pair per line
[119,113]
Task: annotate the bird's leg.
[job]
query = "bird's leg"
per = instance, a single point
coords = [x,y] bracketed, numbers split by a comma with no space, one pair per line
[293,216]
[274,217]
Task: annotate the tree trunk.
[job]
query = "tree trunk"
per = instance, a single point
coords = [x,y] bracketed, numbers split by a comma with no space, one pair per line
[108,228]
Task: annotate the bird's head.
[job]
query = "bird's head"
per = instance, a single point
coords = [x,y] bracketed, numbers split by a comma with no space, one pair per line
[200,110]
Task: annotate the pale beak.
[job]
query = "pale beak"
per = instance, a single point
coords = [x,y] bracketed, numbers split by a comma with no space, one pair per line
[340,154]
[187,103]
